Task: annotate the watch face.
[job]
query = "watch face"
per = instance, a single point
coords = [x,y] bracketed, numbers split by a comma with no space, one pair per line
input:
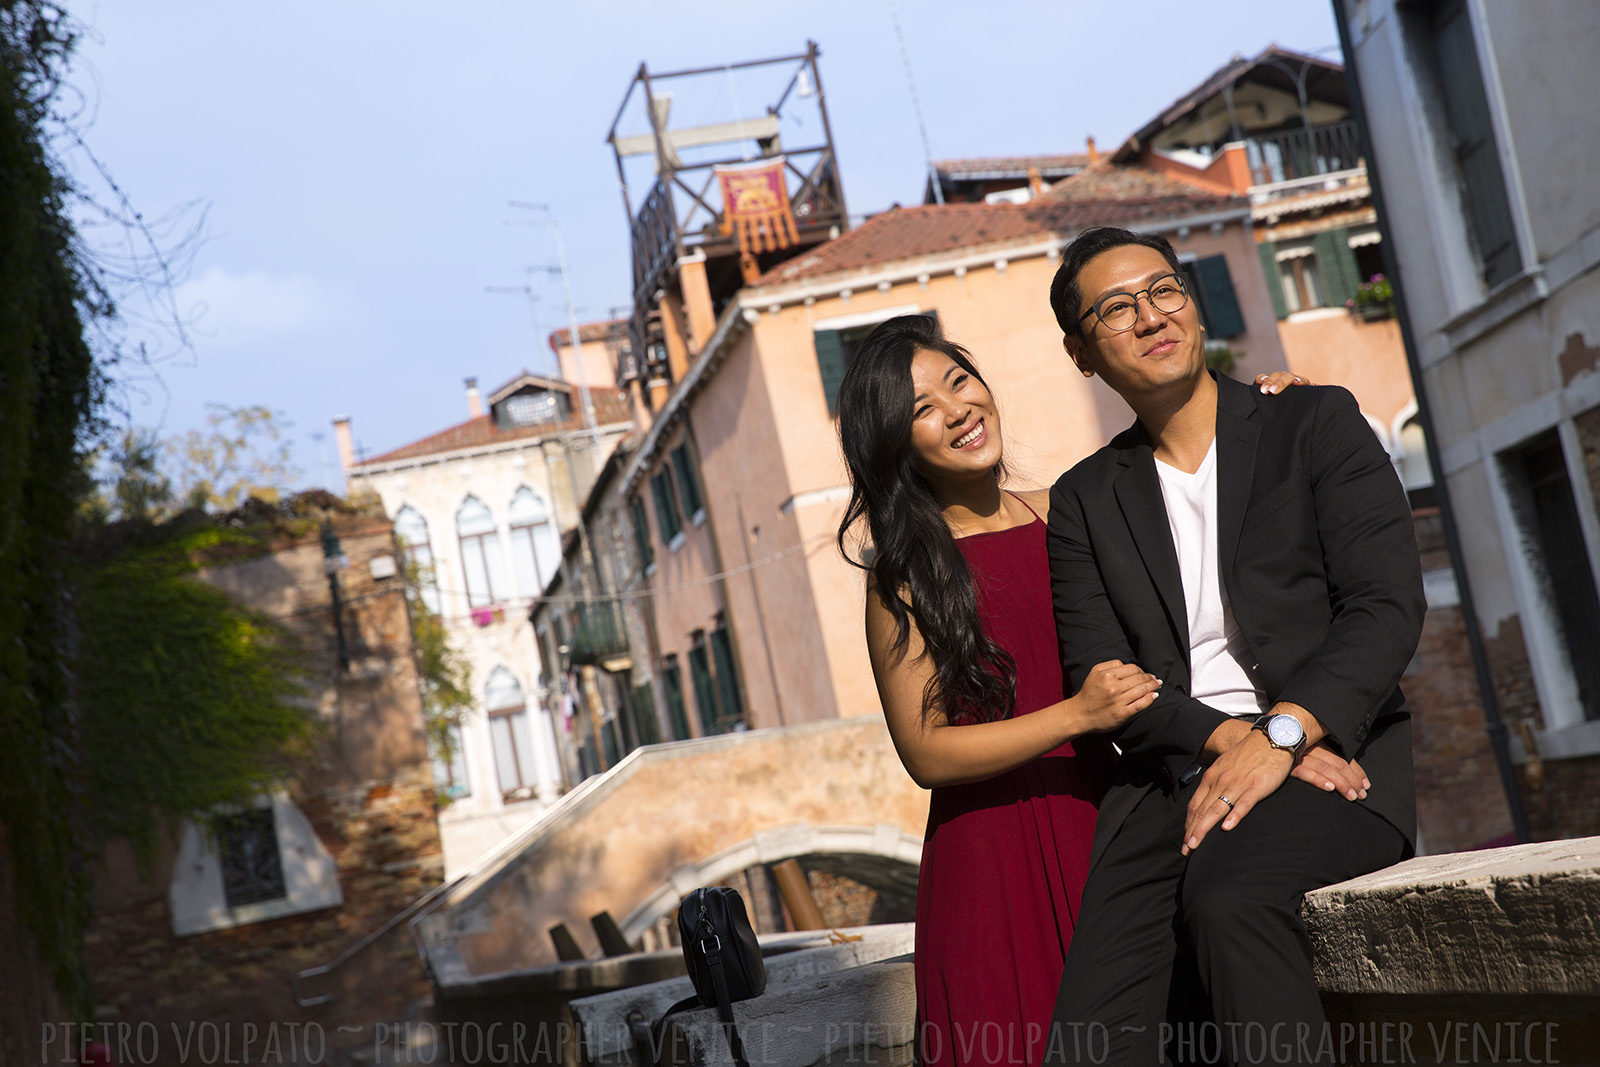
[1284,731]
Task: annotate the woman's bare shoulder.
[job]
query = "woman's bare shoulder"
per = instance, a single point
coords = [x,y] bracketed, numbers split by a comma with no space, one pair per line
[1037,499]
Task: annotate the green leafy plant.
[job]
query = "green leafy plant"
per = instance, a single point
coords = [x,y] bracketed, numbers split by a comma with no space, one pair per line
[1376,292]
[1221,359]
[47,293]
[444,675]
[190,699]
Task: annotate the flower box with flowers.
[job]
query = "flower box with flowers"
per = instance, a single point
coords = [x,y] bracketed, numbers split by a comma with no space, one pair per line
[1374,300]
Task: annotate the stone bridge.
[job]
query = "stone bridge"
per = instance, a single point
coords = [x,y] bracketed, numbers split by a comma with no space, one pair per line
[672,817]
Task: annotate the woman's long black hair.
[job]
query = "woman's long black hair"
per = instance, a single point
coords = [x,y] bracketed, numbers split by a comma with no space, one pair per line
[918,570]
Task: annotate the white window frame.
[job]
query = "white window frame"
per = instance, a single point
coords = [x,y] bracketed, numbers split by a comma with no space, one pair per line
[197,900]
[1567,732]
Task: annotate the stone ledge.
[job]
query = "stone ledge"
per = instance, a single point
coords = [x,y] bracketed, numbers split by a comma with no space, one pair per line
[1513,921]
[607,1022]
[864,1015]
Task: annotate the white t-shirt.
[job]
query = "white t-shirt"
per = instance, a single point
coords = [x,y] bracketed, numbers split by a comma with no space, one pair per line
[1218,654]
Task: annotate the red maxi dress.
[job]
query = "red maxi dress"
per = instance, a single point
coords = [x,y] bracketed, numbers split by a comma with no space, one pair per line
[1005,859]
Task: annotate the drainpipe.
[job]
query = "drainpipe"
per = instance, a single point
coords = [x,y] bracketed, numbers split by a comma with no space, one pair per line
[1494,725]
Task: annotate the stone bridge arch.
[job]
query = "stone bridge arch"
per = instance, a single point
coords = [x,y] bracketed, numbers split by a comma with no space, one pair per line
[672,817]
[881,856]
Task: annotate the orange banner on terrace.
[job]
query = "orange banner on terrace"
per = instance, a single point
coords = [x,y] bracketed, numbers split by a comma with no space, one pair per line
[755,203]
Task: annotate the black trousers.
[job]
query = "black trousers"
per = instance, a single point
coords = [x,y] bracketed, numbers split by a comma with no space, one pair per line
[1230,912]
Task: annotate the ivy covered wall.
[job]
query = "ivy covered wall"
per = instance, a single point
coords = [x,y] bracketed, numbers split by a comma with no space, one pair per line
[46,386]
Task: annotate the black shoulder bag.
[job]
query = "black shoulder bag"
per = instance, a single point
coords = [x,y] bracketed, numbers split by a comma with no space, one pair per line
[723,958]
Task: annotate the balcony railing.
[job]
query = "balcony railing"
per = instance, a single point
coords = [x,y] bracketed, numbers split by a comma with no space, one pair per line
[599,635]
[1303,152]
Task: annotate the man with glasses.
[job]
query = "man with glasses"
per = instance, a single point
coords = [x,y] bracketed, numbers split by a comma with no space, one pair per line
[1257,555]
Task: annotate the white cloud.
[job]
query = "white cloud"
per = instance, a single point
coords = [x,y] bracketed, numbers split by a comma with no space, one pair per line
[233,307]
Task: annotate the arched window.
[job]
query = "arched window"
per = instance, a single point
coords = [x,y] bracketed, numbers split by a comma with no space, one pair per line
[482,562]
[450,767]
[411,530]
[1413,461]
[508,728]
[535,546]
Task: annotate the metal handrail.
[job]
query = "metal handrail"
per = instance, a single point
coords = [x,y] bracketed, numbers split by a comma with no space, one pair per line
[350,953]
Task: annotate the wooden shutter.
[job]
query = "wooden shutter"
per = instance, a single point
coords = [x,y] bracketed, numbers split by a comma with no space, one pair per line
[831,364]
[643,708]
[666,507]
[641,533]
[1217,299]
[704,696]
[1472,131]
[727,677]
[1338,264]
[1268,251]
[688,484]
[672,686]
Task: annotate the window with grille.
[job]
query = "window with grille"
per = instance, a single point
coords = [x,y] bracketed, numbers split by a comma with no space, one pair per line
[252,864]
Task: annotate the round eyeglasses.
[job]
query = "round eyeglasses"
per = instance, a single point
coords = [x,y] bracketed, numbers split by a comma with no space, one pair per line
[1119,311]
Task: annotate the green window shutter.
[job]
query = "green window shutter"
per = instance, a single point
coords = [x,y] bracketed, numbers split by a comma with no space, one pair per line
[1269,270]
[672,687]
[727,677]
[1218,299]
[688,484]
[641,533]
[666,507]
[705,697]
[1338,264]
[831,363]
[608,737]
[643,707]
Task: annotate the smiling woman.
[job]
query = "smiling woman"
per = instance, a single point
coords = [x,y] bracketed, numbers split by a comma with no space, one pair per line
[962,643]
[955,429]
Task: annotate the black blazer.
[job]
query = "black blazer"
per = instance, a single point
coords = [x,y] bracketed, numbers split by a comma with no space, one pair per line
[1320,564]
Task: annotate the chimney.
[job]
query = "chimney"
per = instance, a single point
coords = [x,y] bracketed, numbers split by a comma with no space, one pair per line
[347,445]
[474,401]
[1093,155]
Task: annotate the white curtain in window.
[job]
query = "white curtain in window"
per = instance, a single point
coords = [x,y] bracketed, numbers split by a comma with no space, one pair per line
[535,547]
[549,765]
[483,562]
[450,776]
[412,531]
[508,729]
[1415,472]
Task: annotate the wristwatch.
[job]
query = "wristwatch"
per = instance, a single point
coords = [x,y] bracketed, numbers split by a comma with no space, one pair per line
[1283,731]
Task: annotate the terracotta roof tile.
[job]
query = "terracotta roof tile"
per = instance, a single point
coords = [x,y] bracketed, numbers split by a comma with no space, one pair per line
[1099,195]
[909,232]
[610,406]
[1107,181]
[1008,165]
[589,332]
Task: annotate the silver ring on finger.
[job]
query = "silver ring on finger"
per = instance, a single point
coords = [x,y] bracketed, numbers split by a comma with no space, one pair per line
[1226,801]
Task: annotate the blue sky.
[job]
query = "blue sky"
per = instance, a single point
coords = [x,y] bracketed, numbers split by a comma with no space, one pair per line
[356,159]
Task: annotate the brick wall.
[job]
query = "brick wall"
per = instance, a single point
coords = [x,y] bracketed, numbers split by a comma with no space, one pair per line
[1460,803]
[1557,795]
[368,793]
[1560,794]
